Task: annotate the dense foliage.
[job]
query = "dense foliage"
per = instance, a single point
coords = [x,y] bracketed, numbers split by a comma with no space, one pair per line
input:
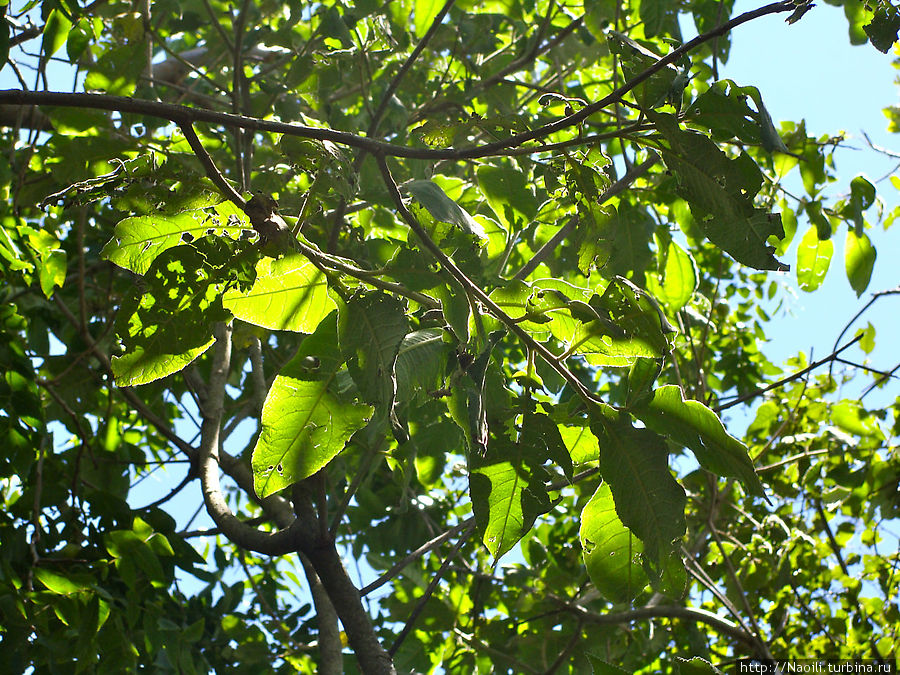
[434,307]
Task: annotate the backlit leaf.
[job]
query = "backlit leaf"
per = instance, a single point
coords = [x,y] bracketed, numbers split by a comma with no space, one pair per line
[612,554]
[289,293]
[697,427]
[859,261]
[648,499]
[813,260]
[305,421]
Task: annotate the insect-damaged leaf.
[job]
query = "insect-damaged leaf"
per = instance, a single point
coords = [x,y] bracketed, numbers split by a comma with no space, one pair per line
[720,192]
[167,322]
[635,463]
[612,554]
[305,420]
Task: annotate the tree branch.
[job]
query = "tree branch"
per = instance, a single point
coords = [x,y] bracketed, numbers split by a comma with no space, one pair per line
[277,543]
[471,287]
[429,590]
[724,626]
[419,552]
[783,381]
[182,114]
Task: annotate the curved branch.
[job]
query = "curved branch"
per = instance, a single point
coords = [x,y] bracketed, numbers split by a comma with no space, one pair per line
[271,543]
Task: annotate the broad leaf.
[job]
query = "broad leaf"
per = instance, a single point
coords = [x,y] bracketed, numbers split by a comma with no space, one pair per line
[430,195]
[695,426]
[813,260]
[542,435]
[507,493]
[616,328]
[305,421]
[168,320]
[634,462]
[289,294]
[421,363]
[679,278]
[371,327]
[138,240]
[612,554]
[720,192]
[859,261]
[509,194]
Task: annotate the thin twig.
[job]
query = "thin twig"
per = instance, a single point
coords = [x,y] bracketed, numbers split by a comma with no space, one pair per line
[410,622]
[471,287]
[783,381]
[418,553]
[181,114]
[209,166]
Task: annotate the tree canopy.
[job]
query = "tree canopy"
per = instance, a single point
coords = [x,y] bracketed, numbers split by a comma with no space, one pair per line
[435,311]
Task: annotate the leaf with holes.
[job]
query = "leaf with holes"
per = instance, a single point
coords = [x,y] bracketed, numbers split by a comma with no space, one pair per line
[720,192]
[305,421]
[289,294]
[612,554]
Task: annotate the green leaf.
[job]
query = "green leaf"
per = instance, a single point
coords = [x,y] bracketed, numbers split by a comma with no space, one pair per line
[53,271]
[371,328]
[634,462]
[612,554]
[138,240]
[720,191]
[59,584]
[118,69]
[421,363]
[542,436]
[289,293]
[167,322]
[862,196]
[697,666]
[430,195]
[882,29]
[656,90]
[692,424]
[55,33]
[306,422]
[425,13]
[507,494]
[813,259]
[601,667]
[680,278]
[867,343]
[581,443]
[509,194]
[854,419]
[723,109]
[859,261]
[616,328]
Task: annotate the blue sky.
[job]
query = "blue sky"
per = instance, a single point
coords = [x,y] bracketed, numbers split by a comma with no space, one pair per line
[809,70]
